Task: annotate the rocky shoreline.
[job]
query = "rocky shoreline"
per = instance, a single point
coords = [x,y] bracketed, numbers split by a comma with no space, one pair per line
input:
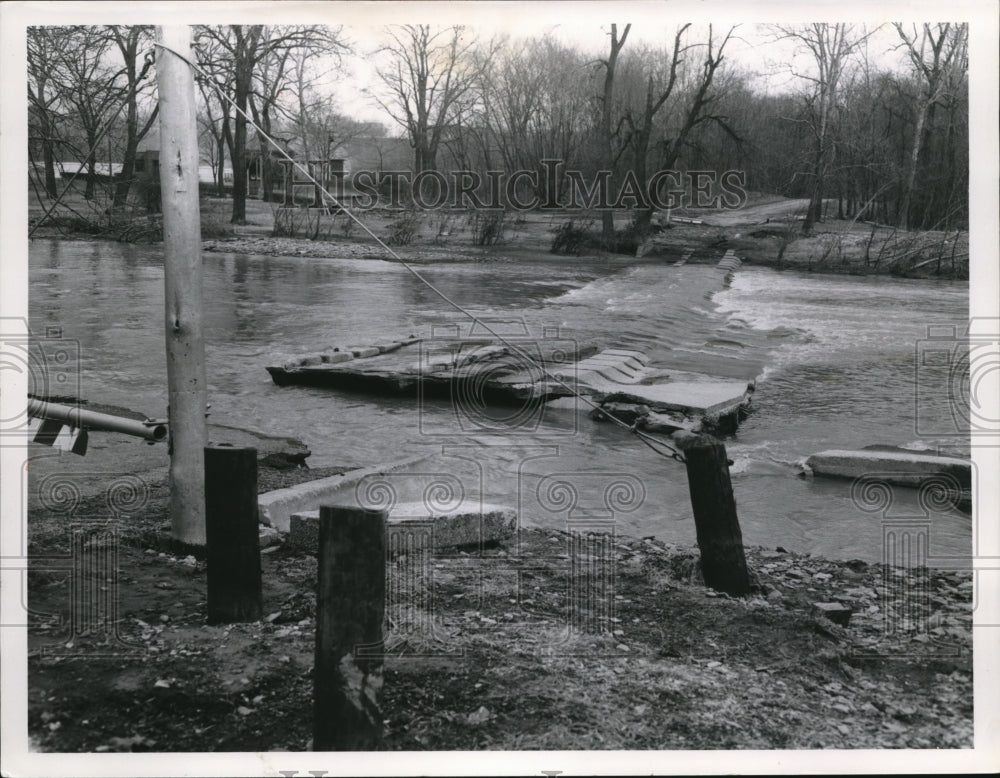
[662,662]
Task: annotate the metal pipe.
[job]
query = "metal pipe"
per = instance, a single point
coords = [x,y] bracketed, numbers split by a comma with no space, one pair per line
[147,430]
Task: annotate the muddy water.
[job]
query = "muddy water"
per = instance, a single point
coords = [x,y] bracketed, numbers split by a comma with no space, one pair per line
[836,361]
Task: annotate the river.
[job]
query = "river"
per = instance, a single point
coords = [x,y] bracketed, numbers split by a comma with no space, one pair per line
[835,357]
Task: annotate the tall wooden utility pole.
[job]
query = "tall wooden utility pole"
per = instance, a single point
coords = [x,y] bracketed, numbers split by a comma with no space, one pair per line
[186,383]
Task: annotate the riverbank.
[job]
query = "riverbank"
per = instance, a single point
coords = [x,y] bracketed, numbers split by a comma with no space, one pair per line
[681,666]
[766,232]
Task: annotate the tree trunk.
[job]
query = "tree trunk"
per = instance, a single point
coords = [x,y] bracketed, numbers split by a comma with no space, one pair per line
[266,169]
[243,74]
[239,155]
[643,216]
[220,172]
[931,195]
[91,164]
[48,159]
[911,166]
[607,215]
[128,48]
[814,212]
[48,154]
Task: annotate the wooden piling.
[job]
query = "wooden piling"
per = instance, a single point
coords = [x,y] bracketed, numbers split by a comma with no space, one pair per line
[187,393]
[234,581]
[723,562]
[350,607]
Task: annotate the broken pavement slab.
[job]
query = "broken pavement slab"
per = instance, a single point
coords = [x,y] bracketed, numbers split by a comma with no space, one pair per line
[896,466]
[275,508]
[624,376]
[689,394]
[729,261]
[622,366]
[470,524]
[500,375]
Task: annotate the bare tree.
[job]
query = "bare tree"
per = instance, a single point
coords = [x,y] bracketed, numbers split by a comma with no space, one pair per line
[279,69]
[311,110]
[534,104]
[936,53]
[88,85]
[687,94]
[427,76]
[830,46]
[216,72]
[607,109]
[128,40]
[240,50]
[43,97]
[241,43]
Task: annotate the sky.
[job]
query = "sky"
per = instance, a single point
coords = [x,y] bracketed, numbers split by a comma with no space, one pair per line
[754,46]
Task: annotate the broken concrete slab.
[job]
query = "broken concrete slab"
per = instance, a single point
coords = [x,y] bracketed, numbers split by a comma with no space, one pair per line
[439,369]
[268,537]
[618,365]
[471,523]
[894,466]
[690,396]
[836,612]
[436,369]
[662,422]
[275,508]
[630,413]
[729,261]
[303,532]
[629,353]
[623,375]
[272,450]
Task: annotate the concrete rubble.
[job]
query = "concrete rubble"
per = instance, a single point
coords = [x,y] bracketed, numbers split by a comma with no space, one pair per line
[470,524]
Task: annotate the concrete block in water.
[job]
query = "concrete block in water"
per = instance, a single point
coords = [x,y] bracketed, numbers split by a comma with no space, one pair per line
[894,466]
[471,523]
[703,397]
[661,422]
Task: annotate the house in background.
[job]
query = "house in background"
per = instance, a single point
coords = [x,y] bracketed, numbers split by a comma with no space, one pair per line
[147,165]
[146,172]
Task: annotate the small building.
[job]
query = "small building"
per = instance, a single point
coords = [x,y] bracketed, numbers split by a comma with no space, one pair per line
[146,171]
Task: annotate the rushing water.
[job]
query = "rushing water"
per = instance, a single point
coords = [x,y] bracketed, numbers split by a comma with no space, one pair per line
[835,357]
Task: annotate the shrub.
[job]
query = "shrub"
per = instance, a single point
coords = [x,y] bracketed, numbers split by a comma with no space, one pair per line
[403,228]
[631,239]
[487,227]
[572,238]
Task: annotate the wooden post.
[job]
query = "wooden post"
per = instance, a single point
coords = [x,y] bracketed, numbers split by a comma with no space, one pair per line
[186,384]
[723,563]
[234,587]
[350,607]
